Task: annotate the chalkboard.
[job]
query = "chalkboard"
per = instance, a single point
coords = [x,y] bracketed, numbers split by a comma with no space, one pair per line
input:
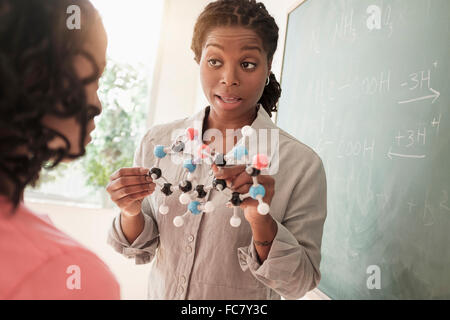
[366,84]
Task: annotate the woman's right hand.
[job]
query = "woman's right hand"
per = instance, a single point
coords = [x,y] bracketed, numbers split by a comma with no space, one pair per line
[128,187]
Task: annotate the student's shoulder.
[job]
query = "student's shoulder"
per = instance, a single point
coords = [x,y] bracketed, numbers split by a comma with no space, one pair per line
[38,233]
[41,257]
[75,273]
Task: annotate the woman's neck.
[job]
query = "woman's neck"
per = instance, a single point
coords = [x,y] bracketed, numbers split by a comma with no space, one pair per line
[226,120]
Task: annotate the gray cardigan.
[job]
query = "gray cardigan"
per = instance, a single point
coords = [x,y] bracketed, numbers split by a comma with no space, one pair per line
[207,258]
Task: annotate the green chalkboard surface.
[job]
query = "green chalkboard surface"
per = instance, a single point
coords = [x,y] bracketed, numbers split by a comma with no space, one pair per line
[366,84]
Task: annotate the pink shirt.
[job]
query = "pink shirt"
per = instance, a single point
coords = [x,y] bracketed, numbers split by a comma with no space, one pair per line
[38,261]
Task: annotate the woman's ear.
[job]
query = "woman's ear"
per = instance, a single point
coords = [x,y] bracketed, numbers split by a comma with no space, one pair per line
[269,67]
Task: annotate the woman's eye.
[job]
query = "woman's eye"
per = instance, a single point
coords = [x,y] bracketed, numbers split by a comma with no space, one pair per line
[248,65]
[214,63]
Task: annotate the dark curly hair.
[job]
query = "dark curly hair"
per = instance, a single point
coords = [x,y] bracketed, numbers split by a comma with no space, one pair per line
[249,14]
[37,78]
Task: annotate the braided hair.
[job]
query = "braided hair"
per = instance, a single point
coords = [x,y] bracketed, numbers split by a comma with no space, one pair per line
[249,14]
[38,78]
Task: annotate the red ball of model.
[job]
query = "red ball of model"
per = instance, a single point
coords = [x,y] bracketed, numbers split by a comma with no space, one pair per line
[191,133]
[260,161]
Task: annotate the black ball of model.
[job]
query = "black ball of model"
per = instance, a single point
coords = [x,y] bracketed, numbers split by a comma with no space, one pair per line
[235,199]
[200,191]
[187,186]
[155,171]
[219,184]
[178,147]
[220,160]
[166,189]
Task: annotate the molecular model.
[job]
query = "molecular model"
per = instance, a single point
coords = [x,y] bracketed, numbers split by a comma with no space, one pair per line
[193,194]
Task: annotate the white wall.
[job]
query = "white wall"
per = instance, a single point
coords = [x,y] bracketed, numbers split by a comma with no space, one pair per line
[176,91]
[174,86]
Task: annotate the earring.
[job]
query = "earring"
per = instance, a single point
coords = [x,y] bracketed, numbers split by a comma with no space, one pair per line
[268,81]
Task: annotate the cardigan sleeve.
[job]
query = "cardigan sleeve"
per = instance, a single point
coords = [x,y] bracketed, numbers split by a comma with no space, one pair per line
[292,266]
[143,249]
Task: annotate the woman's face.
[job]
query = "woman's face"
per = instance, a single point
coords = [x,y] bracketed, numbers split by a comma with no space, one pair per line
[233,69]
[96,46]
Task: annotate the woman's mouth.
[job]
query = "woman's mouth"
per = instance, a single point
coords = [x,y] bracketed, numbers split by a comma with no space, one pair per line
[228,101]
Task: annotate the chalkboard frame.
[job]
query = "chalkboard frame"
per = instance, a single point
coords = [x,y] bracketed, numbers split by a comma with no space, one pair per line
[291,9]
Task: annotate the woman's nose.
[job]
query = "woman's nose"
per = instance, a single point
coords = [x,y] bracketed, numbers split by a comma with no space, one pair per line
[230,77]
[98,103]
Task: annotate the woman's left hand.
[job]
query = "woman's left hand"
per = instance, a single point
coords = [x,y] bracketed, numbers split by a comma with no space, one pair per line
[238,180]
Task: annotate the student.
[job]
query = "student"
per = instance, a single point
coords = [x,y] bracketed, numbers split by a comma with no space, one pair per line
[49,77]
[268,256]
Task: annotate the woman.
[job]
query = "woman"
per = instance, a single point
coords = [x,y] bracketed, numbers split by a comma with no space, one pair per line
[276,254]
[49,77]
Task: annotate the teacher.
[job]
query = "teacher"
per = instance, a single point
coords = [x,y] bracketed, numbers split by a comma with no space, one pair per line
[268,256]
